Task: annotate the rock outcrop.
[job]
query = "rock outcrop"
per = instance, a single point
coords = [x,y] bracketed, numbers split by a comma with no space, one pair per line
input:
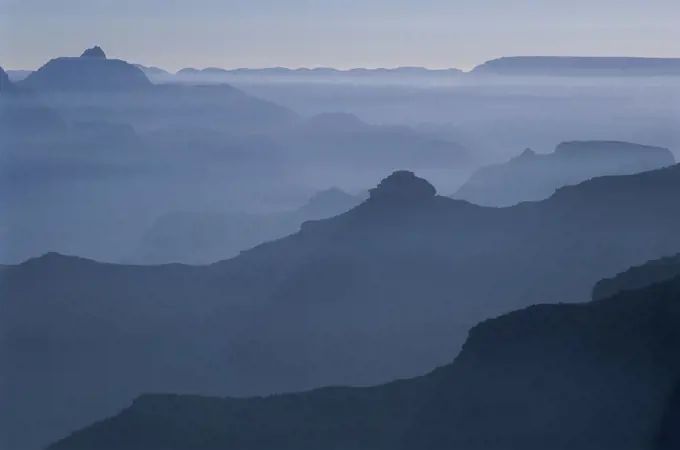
[403,187]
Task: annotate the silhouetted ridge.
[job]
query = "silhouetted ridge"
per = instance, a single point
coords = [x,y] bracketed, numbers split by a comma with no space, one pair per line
[387,290]
[90,72]
[403,186]
[579,66]
[638,277]
[594,376]
[54,258]
[614,148]
[94,52]
[531,176]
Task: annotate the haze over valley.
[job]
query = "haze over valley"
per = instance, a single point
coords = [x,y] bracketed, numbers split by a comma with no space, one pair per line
[378,259]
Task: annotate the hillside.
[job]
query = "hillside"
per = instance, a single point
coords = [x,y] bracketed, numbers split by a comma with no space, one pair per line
[598,375]
[387,290]
[531,176]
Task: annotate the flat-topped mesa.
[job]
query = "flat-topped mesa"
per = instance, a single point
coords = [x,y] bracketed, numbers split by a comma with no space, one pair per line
[94,52]
[404,187]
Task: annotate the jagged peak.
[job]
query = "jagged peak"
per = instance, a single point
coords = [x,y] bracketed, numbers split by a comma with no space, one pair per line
[94,52]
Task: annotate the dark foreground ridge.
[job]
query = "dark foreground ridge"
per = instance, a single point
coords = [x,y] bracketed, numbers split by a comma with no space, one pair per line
[543,377]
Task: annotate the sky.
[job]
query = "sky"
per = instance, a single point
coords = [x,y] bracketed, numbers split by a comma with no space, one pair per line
[335,33]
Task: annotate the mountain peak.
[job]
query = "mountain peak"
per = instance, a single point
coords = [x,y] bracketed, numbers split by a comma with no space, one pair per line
[92,71]
[403,185]
[94,52]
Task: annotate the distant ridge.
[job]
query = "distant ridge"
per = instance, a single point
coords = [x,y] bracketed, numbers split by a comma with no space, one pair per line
[531,176]
[579,66]
[91,71]
[220,74]
[506,65]
[321,70]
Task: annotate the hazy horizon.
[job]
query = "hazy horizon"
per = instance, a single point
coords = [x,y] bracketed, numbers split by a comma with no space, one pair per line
[431,33]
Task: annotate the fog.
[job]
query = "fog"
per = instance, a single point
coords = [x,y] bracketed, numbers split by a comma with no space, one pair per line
[190,145]
[264,233]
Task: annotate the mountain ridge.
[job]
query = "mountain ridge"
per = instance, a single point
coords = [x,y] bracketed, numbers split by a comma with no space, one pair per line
[532,176]
[338,293]
[90,71]
[602,347]
[579,66]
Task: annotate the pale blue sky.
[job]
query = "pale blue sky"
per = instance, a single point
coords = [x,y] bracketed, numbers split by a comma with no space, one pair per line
[338,33]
